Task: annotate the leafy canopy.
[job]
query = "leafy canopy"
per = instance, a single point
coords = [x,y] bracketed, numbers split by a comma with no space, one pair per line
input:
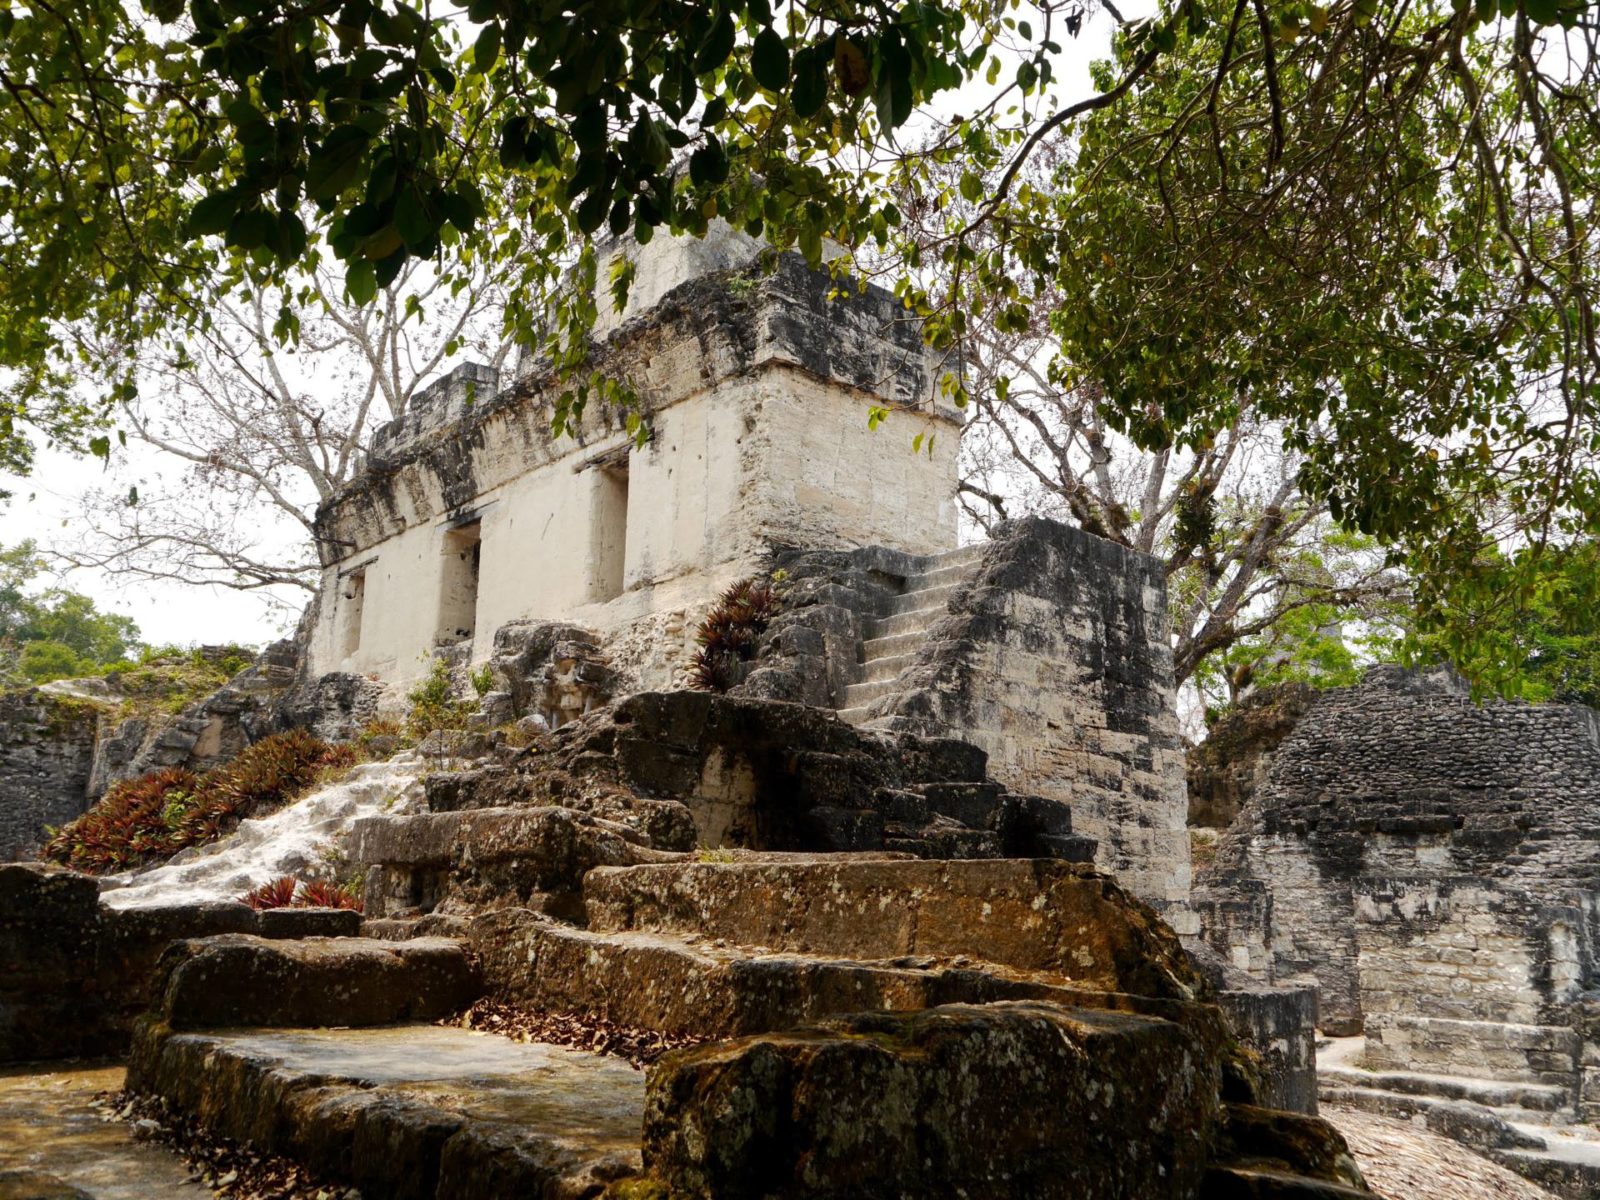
[1374,218]
[55,633]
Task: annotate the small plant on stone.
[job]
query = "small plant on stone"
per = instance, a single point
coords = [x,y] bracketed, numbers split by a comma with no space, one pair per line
[276,893]
[144,820]
[381,737]
[731,632]
[319,893]
[433,703]
[715,854]
[482,680]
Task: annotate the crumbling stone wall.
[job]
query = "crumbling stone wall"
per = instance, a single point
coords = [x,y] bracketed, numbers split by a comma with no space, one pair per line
[1432,866]
[47,747]
[1054,659]
[1225,769]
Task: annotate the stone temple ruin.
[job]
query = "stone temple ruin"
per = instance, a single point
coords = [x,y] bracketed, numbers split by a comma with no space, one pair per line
[1430,865]
[912,898]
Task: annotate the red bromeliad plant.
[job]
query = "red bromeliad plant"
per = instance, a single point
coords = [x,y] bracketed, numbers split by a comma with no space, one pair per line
[141,821]
[729,634]
[276,893]
[320,894]
[289,892]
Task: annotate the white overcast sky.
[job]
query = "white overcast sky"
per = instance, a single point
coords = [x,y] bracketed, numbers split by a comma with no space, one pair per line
[45,505]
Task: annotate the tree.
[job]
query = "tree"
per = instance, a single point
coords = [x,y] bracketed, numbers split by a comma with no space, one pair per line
[1246,550]
[1366,226]
[54,633]
[1371,217]
[267,431]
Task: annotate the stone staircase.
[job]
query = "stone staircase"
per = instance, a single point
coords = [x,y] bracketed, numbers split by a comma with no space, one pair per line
[1040,1032]
[891,639]
[1529,1127]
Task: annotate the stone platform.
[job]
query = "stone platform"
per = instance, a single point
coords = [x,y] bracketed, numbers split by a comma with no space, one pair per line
[407,1111]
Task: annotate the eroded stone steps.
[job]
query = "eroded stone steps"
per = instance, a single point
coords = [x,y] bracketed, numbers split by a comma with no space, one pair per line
[914,623]
[1525,1127]
[1532,1101]
[1029,915]
[891,641]
[684,986]
[245,980]
[409,1112]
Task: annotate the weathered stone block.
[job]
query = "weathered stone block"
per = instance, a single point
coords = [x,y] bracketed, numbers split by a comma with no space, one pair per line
[1013,1099]
[237,979]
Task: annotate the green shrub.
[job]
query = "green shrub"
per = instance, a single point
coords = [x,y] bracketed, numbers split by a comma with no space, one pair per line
[144,820]
[433,703]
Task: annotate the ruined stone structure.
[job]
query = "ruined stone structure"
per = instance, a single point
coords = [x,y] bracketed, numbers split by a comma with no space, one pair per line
[756,388]
[1431,866]
[63,744]
[860,892]
[1046,648]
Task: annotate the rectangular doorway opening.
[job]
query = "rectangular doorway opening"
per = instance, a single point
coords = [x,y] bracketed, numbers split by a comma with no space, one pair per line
[458,584]
[608,530]
[352,602]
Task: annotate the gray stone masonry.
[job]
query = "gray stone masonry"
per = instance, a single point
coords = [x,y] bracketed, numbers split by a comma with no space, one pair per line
[1045,647]
[1432,866]
[46,755]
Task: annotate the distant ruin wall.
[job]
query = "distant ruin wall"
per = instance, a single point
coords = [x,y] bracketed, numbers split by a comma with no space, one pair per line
[1054,659]
[47,748]
[1433,867]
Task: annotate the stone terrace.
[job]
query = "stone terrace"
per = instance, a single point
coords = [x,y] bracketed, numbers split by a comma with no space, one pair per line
[874,1023]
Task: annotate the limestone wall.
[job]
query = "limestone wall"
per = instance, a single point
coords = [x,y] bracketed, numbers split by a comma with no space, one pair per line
[1055,660]
[47,746]
[1432,866]
[757,388]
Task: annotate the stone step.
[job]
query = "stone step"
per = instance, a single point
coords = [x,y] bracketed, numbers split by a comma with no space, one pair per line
[1001,1102]
[696,987]
[1532,1097]
[1037,915]
[857,715]
[237,979]
[944,574]
[861,695]
[892,646]
[914,621]
[964,556]
[420,1112]
[884,669]
[1566,1167]
[921,600]
[1460,1120]
[478,855]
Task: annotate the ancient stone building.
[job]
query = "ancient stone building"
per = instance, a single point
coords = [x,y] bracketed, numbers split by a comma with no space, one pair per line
[1431,866]
[756,388]
[472,530]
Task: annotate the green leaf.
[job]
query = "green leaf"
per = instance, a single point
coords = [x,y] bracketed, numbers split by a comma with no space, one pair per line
[709,164]
[212,214]
[336,164]
[810,90]
[971,187]
[769,60]
[714,51]
[361,281]
[252,228]
[411,219]
[592,211]
[486,50]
